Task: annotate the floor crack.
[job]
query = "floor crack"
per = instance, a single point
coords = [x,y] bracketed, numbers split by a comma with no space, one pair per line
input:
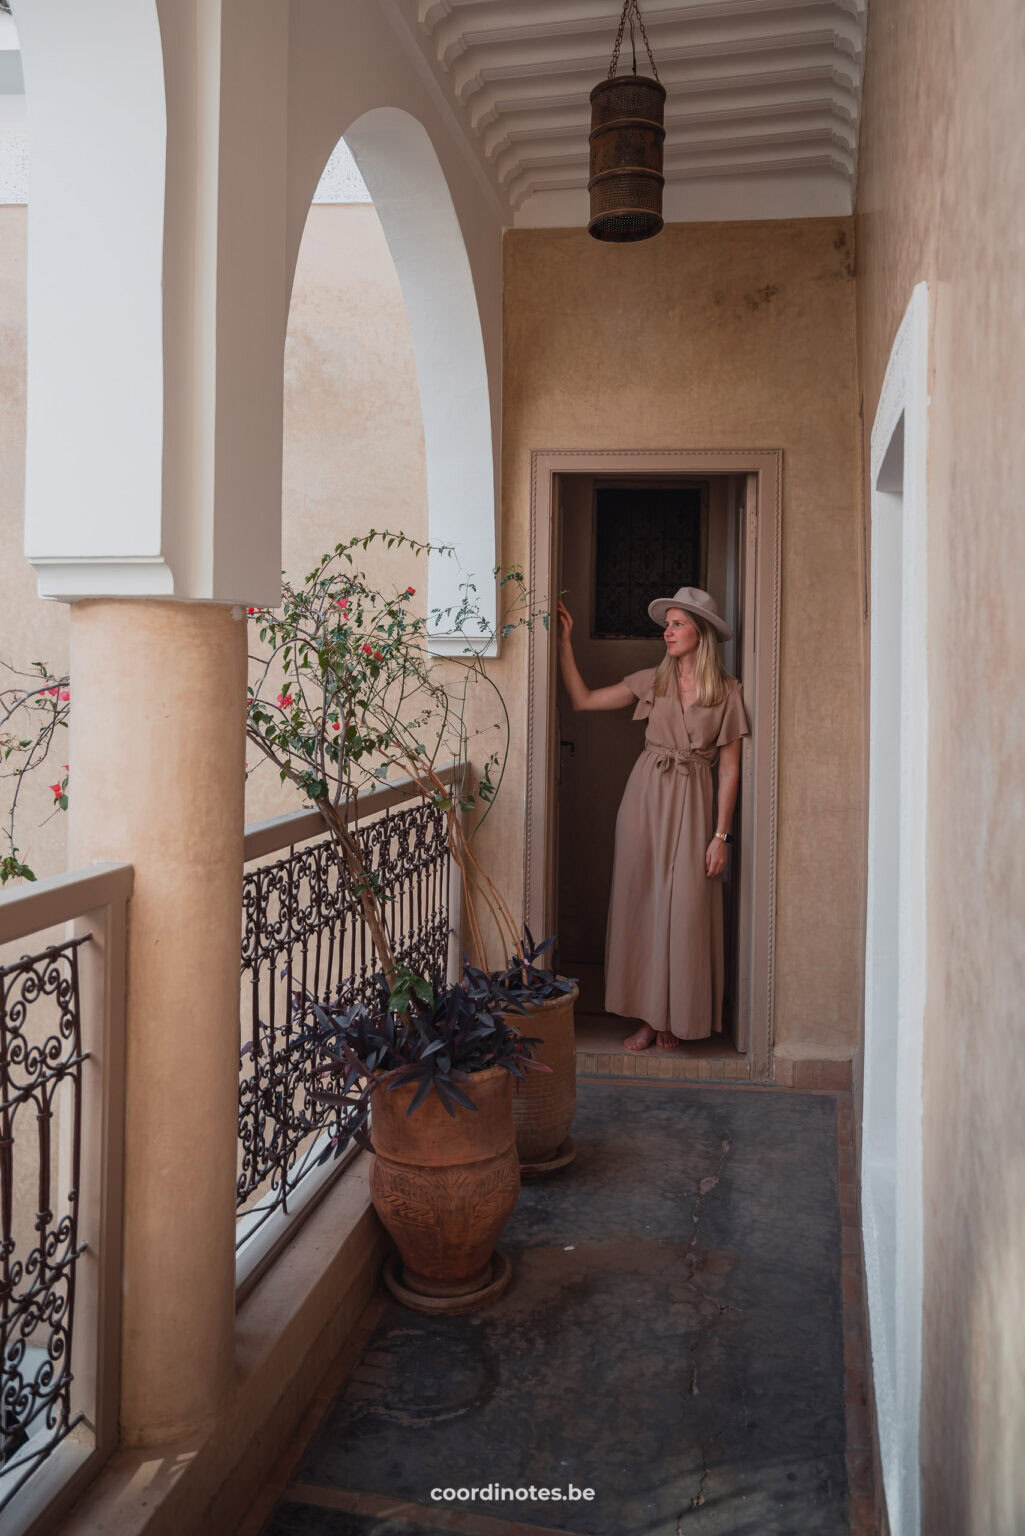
[698,1498]
[690,1258]
[705,1187]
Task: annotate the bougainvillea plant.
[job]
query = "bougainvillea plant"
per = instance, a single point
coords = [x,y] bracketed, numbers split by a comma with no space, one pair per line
[34,708]
[347,694]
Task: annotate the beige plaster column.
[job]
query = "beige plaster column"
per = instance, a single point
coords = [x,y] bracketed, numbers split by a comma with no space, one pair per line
[157,754]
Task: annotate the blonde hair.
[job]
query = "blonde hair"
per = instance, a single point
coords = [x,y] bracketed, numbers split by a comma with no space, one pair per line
[711,676]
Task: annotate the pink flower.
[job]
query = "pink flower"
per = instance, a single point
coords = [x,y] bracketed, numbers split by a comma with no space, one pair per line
[57,791]
[285,700]
[368,650]
[65,696]
[343,602]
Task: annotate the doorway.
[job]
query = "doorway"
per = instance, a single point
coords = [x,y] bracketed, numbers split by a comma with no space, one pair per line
[724,510]
[623,540]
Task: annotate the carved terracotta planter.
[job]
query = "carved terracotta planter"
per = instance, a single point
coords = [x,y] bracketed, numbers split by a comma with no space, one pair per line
[444,1188]
[545,1102]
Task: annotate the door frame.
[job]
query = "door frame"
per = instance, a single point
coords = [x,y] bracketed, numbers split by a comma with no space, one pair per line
[762,553]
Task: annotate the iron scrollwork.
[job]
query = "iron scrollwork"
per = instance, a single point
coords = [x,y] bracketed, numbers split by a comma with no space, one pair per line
[304,932]
[41,1061]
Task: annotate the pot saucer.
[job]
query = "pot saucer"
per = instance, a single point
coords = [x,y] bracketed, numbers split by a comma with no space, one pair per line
[564,1153]
[499,1275]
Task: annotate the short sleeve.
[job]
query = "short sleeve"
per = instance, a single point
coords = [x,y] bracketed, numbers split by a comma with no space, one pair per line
[642,686]
[734,717]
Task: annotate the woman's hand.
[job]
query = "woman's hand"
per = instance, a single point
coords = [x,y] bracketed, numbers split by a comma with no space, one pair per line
[715,858]
[565,619]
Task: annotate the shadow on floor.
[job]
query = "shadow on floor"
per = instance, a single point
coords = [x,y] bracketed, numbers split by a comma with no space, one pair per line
[672,1339]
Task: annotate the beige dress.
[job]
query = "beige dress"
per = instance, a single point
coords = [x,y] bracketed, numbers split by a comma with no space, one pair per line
[664,941]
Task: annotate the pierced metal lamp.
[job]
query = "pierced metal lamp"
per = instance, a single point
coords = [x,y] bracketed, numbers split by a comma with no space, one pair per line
[627,136]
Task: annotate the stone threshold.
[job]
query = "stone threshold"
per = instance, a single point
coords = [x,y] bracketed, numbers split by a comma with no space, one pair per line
[600,1053]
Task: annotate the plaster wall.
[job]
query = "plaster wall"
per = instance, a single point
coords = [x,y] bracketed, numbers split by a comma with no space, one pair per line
[941,198]
[724,336]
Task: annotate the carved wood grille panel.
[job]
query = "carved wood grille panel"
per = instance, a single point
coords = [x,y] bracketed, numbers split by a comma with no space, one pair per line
[304,931]
[647,543]
[41,1061]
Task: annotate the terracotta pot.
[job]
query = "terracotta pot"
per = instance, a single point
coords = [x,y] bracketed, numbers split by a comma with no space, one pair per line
[444,1188]
[545,1103]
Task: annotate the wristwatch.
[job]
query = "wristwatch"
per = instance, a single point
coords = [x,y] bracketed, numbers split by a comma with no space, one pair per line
[725,837]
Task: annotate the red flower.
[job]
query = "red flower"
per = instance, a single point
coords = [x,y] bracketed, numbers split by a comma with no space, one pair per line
[410,591]
[57,791]
[368,650]
[250,610]
[285,700]
[65,696]
[378,656]
[336,725]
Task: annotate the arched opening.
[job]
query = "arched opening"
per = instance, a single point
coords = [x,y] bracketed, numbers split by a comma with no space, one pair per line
[402,173]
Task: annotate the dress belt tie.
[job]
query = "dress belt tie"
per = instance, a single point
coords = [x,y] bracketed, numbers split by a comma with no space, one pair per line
[679,758]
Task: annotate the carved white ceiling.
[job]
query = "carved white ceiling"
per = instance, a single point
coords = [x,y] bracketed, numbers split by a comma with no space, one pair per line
[763,101]
[761,112]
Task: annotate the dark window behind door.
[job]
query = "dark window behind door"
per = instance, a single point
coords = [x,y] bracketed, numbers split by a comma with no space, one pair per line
[647,543]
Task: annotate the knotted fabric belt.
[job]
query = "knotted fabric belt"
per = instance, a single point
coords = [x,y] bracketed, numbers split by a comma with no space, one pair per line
[682,759]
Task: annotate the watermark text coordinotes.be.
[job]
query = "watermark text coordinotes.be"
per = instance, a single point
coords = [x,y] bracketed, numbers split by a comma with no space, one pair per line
[497,1493]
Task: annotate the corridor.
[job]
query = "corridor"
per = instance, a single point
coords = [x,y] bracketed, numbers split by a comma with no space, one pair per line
[674,1339]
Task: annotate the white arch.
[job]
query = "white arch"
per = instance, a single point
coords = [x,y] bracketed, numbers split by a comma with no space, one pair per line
[400,166]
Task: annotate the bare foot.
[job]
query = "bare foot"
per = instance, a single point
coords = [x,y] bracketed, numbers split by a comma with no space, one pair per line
[667,1041]
[644,1037]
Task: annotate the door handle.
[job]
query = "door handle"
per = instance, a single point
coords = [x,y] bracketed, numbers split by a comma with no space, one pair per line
[571,745]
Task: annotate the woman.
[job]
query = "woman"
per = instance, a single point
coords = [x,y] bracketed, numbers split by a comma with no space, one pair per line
[664,945]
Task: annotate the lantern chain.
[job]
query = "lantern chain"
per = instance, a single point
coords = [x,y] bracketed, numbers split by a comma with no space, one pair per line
[631,8]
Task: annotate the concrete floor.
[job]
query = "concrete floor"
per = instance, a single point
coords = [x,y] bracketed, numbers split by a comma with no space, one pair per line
[672,1339]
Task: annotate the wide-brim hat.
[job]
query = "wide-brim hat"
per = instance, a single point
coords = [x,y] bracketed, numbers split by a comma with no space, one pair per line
[691,600]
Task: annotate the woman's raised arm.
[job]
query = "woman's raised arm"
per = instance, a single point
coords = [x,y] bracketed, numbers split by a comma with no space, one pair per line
[618,696]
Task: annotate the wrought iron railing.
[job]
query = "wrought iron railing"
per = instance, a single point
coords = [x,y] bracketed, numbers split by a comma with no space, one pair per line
[61,1110]
[39,1249]
[304,932]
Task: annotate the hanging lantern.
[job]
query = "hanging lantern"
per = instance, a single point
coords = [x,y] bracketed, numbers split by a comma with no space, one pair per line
[627,135]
